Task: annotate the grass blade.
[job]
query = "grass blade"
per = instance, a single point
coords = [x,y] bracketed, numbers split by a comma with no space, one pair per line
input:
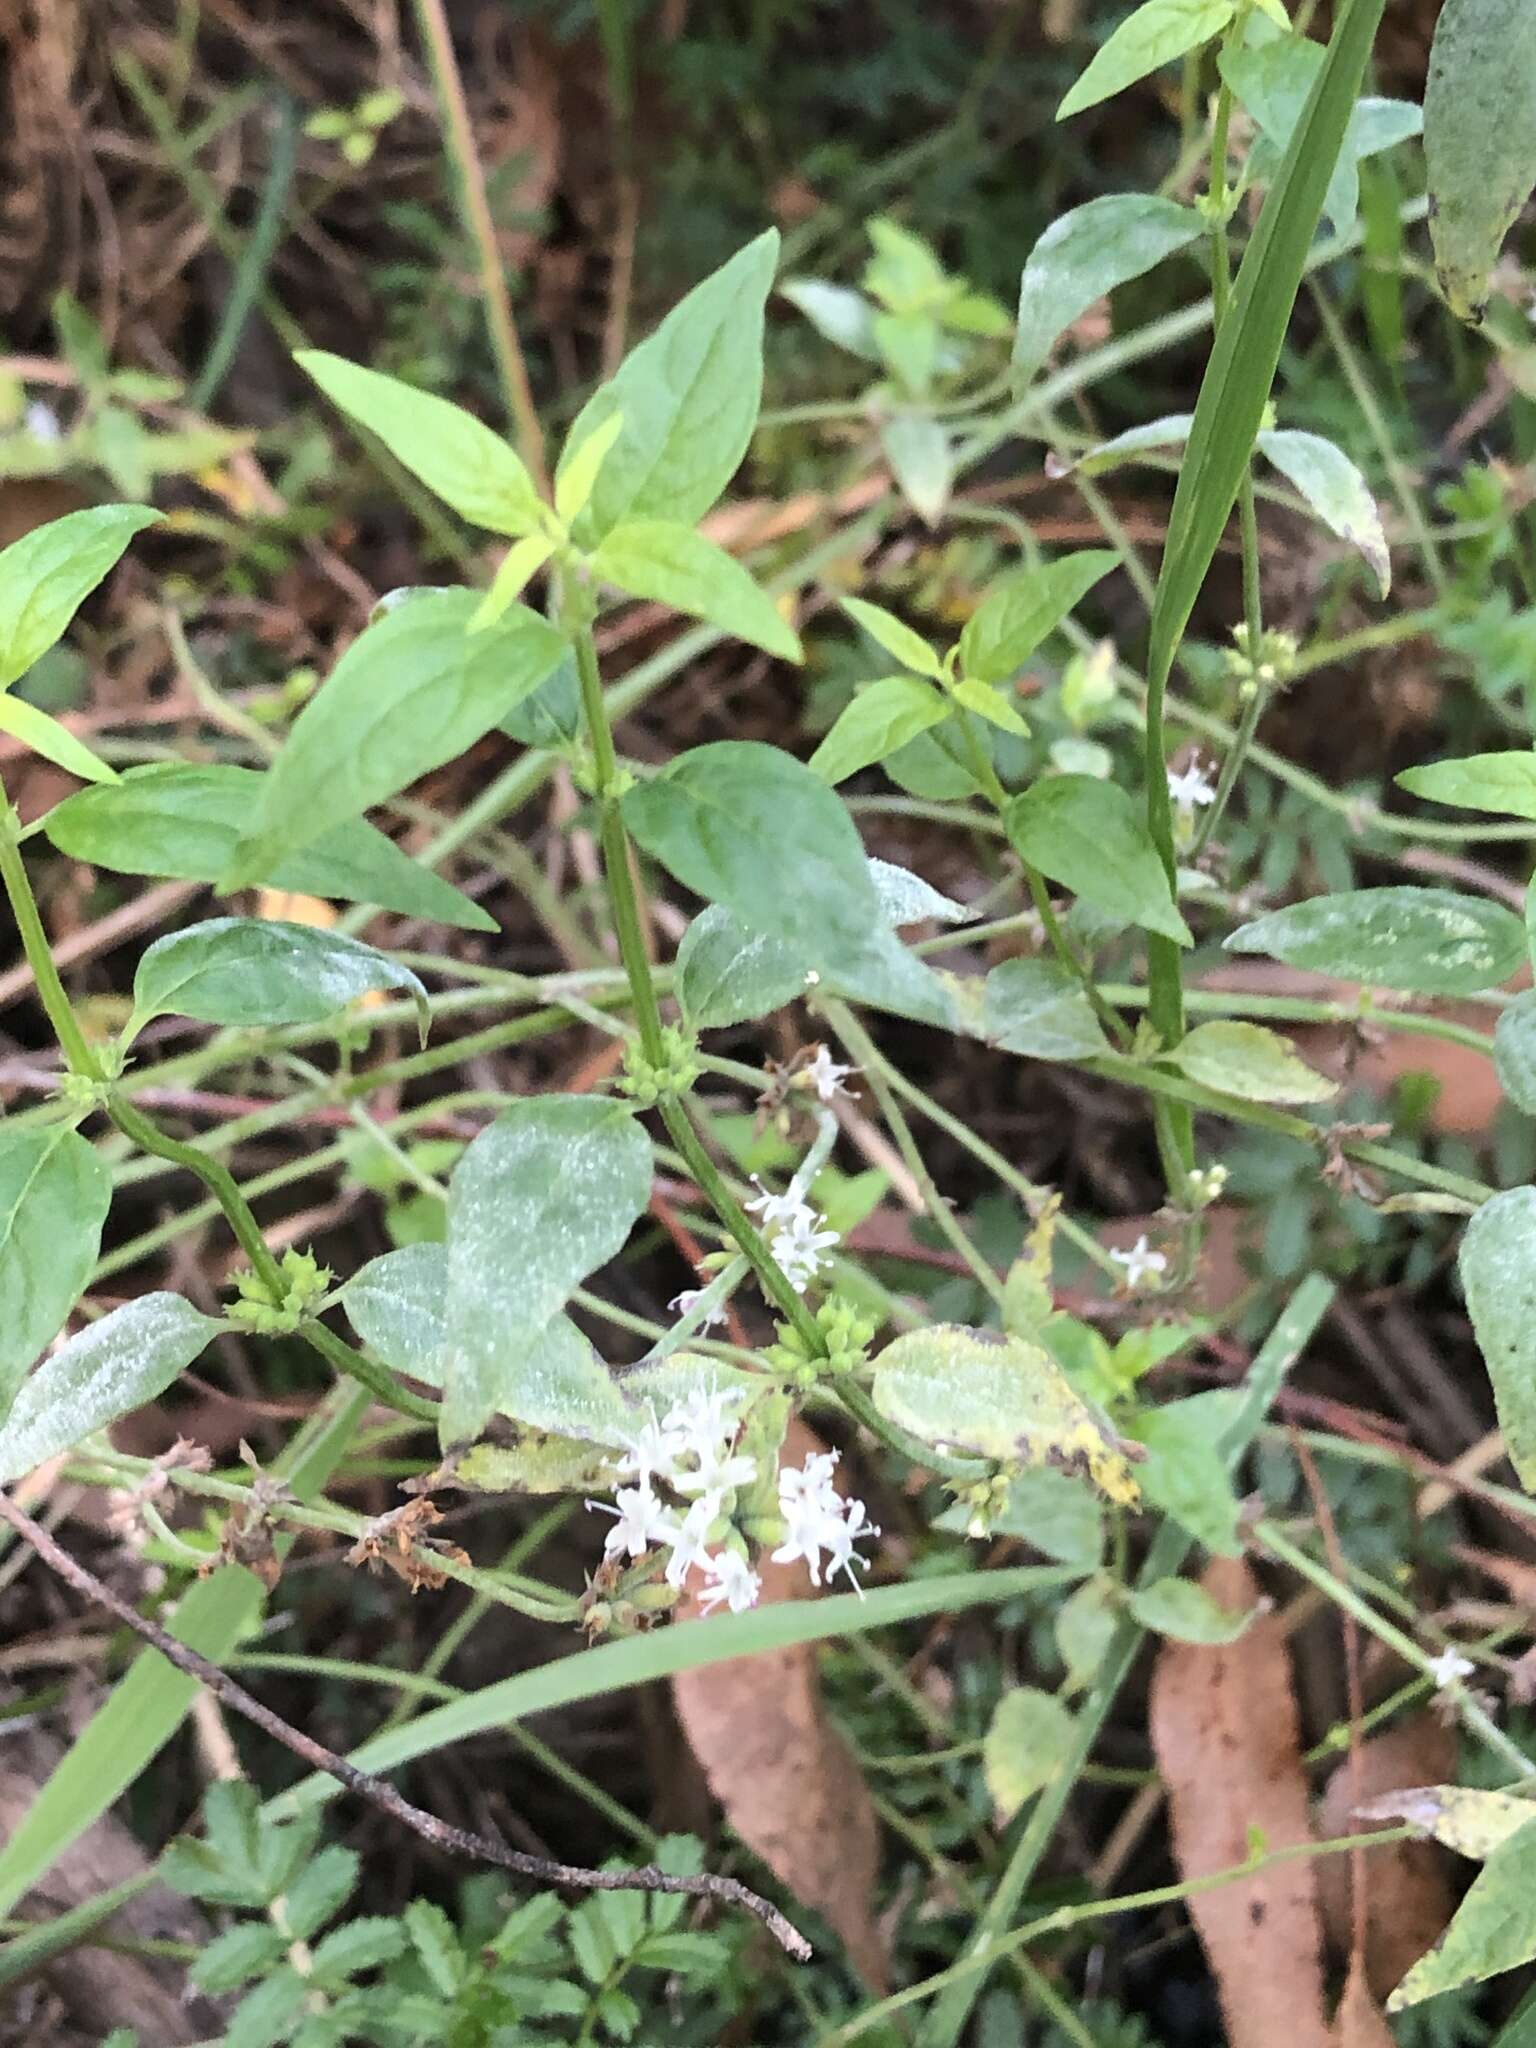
[1228,415]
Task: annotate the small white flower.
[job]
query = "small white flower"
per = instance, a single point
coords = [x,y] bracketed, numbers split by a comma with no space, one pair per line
[1141,1264]
[640,1520]
[652,1451]
[825,1075]
[690,1539]
[818,1519]
[730,1578]
[773,1210]
[42,423]
[703,1417]
[718,1474]
[1449,1667]
[684,1304]
[799,1246]
[1192,787]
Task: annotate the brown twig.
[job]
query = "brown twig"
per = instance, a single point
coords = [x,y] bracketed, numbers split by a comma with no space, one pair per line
[378,1791]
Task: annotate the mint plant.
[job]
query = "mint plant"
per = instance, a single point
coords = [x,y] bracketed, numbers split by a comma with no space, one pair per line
[475,1344]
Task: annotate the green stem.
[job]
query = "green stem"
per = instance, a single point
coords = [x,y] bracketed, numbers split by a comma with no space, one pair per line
[1061,945]
[60,1011]
[624,903]
[947,2021]
[857,1042]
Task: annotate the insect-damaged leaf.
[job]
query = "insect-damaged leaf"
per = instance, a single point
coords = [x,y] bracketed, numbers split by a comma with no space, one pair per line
[997,1397]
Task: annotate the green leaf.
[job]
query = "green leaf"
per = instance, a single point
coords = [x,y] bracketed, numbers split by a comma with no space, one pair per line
[1020,612]
[1427,941]
[578,477]
[922,461]
[266,2014]
[322,1887]
[1038,1009]
[55,742]
[1185,1611]
[1151,437]
[436,1942]
[839,314]
[1085,1628]
[413,691]
[455,455]
[906,898]
[1185,1470]
[1028,1743]
[1514,1051]
[988,702]
[115,1365]
[1157,33]
[882,716]
[1479,140]
[995,1397]
[1498,1275]
[1494,1928]
[897,639]
[903,273]
[727,973]
[397,1303]
[519,565]
[1336,492]
[47,574]
[1088,835]
[235,1957]
[1505,782]
[1250,1062]
[54,1197]
[689,397]
[356,1946]
[747,825]
[183,822]
[1086,254]
[540,1199]
[909,348]
[1272,78]
[673,565]
[261,971]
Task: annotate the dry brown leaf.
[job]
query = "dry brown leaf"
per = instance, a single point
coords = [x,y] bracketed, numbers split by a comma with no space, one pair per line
[1359,2023]
[783,1774]
[1225,1731]
[1408,1900]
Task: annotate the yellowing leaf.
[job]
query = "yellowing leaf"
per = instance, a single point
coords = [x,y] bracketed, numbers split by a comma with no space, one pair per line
[997,1397]
[1471,1822]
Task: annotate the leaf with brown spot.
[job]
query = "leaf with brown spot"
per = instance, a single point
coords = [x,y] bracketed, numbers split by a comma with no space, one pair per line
[1225,1731]
[1408,1900]
[786,1779]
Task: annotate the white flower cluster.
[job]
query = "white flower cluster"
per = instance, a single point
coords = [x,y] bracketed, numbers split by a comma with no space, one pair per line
[690,1450]
[820,1520]
[794,1232]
